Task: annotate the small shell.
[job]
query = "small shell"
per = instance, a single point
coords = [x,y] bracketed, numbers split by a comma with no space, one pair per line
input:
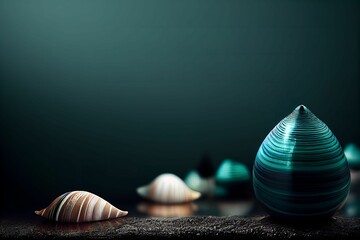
[232,172]
[168,188]
[80,206]
[203,185]
[232,179]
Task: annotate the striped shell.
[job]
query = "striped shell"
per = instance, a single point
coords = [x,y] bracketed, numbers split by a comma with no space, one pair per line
[300,170]
[80,206]
[232,179]
[168,188]
[232,172]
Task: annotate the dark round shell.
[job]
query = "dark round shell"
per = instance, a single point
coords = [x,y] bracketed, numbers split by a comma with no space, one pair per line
[300,170]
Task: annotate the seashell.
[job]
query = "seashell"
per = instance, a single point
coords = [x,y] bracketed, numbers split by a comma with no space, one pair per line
[200,184]
[168,188]
[231,171]
[232,178]
[80,206]
[300,171]
[352,153]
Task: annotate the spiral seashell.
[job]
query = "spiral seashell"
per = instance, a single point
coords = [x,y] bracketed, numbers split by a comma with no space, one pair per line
[80,206]
[168,188]
[232,179]
[205,186]
[352,153]
[300,171]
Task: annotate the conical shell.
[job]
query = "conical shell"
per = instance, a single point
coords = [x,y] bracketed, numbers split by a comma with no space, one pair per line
[232,179]
[300,171]
[168,188]
[80,206]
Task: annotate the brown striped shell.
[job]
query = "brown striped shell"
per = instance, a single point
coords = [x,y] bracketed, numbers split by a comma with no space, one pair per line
[168,188]
[80,206]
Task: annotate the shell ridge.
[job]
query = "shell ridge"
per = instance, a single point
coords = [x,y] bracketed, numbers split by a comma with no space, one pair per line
[60,204]
[81,206]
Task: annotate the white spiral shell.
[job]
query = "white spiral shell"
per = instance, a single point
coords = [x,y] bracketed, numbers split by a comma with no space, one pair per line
[168,188]
[80,206]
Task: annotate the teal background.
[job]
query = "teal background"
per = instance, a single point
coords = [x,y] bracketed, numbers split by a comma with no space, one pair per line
[105,95]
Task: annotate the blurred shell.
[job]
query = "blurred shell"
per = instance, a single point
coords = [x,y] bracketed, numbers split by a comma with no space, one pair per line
[232,179]
[352,153]
[168,188]
[203,185]
[300,170]
[80,206]
[232,172]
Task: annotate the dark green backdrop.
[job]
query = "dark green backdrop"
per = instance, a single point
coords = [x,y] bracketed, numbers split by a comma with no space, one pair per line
[104,95]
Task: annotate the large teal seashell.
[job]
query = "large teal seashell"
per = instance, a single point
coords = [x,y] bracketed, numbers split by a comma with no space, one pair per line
[352,153]
[300,171]
[232,179]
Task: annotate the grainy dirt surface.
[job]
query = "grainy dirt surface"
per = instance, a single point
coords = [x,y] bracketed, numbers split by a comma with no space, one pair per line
[186,227]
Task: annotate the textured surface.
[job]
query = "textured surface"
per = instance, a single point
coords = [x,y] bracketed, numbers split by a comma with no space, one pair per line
[189,227]
[300,170]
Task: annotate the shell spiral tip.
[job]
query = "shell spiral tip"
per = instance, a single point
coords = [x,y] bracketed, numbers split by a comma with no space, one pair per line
[301,108]
[38,212]
[124,213]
